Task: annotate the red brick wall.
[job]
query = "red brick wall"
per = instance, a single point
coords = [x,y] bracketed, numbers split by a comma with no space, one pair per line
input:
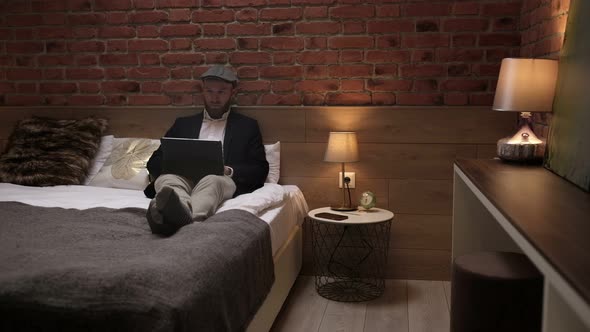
[542,26]
[287,52]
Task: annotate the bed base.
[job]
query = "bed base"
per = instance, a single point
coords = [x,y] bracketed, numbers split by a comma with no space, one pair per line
[287,263]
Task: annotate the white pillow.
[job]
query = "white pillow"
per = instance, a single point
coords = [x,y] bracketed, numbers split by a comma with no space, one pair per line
[130,156]
[273,156]
[126,166]
[104,151]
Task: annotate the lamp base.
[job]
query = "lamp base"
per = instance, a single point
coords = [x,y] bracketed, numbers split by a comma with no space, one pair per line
[520,152]
[343,208]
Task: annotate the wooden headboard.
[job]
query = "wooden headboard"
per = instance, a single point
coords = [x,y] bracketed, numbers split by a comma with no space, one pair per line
[153,122]
[406,158]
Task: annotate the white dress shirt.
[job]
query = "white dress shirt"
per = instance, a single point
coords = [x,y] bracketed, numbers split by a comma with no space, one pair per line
[213,129]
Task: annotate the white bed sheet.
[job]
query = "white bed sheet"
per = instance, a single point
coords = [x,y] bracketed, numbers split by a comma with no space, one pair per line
[281,206]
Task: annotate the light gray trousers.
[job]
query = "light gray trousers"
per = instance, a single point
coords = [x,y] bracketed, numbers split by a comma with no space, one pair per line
[204,198]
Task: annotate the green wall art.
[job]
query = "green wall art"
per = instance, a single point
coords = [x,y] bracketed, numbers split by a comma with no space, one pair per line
[568,153]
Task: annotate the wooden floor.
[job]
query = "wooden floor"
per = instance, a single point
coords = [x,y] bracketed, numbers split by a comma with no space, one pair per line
[406,306]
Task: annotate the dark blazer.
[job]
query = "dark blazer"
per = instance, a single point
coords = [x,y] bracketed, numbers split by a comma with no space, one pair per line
[242,150]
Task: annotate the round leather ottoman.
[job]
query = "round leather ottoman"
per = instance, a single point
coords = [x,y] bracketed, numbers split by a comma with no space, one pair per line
[495,291]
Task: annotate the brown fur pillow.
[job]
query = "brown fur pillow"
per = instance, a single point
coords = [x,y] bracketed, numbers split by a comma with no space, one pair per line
[49,152]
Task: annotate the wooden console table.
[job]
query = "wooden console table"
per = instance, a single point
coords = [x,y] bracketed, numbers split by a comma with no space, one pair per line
[528,209]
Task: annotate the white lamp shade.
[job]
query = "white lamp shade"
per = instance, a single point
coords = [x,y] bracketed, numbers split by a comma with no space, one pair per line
[342,147]
[526,85]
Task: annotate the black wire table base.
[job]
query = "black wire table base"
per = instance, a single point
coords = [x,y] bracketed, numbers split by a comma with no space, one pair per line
[349,260]
[350,290]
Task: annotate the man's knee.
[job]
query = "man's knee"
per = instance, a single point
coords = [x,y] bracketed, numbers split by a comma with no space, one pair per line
[220,182]
[166,178]
[211,179]
[169,180]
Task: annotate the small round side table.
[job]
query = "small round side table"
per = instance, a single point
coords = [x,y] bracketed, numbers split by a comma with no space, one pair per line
[350,254]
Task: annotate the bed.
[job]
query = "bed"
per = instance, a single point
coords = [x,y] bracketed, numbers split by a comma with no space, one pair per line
[115,218]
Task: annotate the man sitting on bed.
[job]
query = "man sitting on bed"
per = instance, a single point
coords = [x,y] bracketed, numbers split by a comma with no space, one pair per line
[178,201]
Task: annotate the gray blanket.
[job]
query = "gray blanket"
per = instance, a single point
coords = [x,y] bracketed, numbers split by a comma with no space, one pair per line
[102,270]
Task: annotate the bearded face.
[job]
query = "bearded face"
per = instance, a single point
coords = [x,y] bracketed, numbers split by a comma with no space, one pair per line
[217,95]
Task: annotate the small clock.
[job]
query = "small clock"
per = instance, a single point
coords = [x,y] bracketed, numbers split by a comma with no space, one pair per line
[368,200]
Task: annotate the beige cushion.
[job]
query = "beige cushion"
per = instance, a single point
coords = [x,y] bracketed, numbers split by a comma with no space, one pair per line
[126,166]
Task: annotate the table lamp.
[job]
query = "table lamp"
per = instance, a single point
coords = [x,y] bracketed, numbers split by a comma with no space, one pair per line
[525,86]
[342,148]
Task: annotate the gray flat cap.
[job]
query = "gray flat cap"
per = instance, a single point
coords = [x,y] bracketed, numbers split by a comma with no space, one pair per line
[221,72]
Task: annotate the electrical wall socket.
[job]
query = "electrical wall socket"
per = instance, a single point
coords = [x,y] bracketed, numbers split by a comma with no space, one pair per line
[352,177]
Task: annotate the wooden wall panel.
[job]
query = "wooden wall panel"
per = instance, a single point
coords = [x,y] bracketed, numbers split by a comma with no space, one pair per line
[467,125]
[419,231]
[321,192]
[307,265]
[377,161]
[406,158]
[410,161]
[279,123]
[486,151]
[421,196]
[419,264]
[305,160]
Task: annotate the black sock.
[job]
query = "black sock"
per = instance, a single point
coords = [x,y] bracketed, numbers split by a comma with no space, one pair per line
[173,210]
[156,221]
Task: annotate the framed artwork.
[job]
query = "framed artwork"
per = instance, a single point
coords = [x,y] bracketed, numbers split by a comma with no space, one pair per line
[568,151]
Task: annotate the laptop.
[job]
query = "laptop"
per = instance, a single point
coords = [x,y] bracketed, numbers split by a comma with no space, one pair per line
[191,158]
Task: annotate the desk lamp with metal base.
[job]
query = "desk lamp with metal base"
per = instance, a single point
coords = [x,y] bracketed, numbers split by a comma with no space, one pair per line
[525,86]
[343,148]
